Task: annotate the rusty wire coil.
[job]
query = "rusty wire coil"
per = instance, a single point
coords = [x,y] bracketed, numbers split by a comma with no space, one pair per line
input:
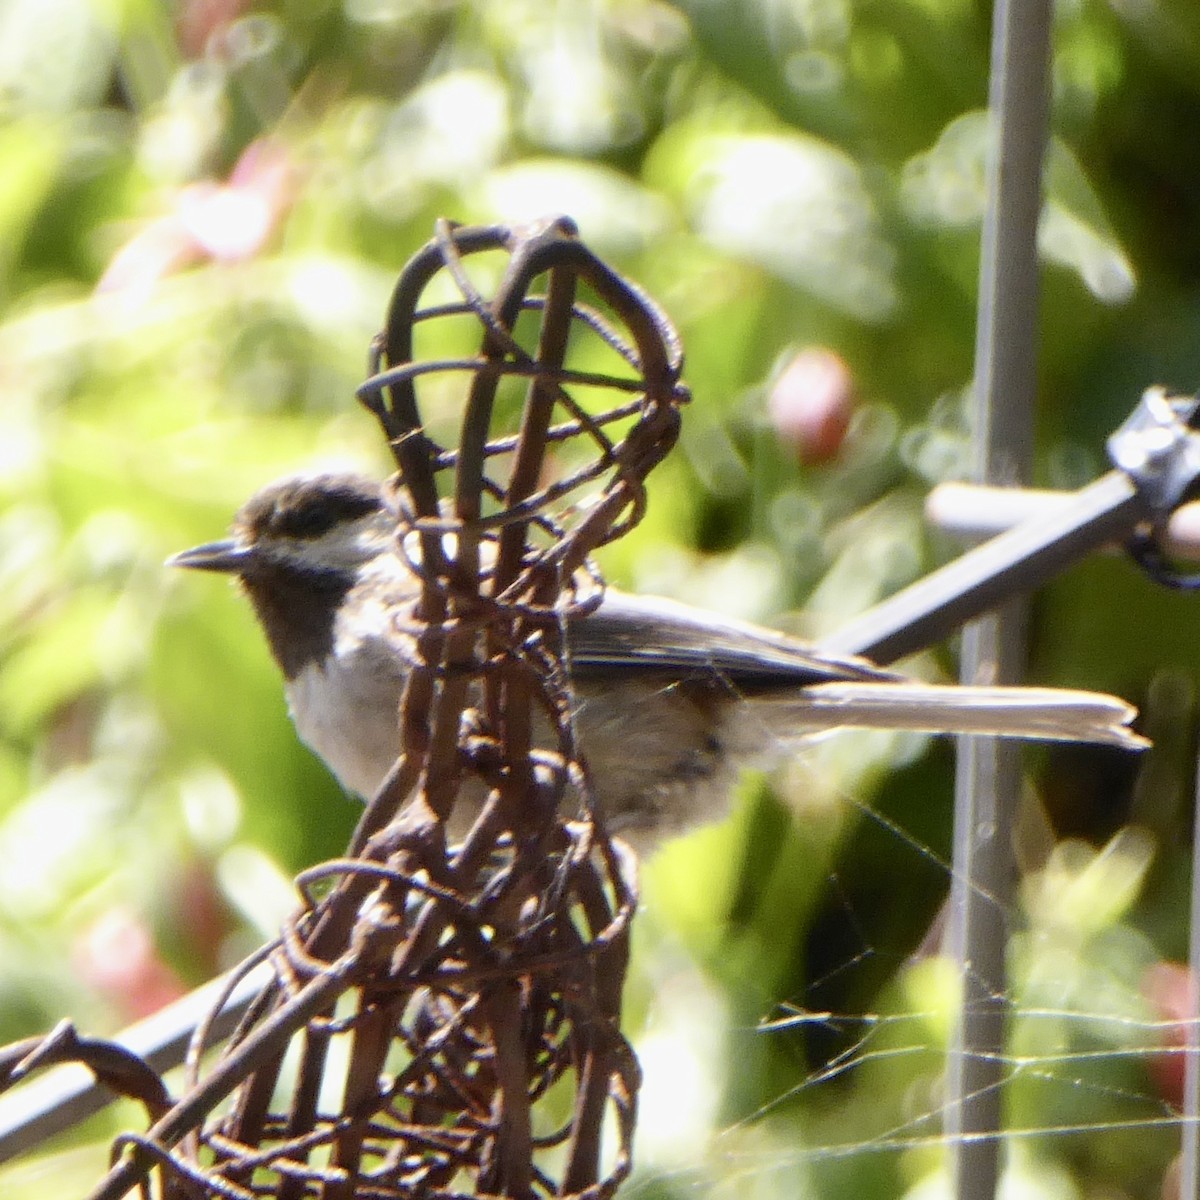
[444,1017]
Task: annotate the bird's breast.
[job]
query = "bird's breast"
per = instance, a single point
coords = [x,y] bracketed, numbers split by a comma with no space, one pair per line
[345,707]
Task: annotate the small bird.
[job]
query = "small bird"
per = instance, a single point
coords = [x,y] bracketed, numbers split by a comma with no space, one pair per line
[669,700]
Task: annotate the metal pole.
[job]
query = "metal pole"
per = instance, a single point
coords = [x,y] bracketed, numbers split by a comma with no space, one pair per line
[988,778]
[1189,1172]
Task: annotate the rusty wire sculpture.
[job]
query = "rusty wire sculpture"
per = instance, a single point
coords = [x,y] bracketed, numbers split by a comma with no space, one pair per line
[443,1019]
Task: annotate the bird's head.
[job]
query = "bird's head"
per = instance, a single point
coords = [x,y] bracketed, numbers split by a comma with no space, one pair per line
[298,547]
[309,525]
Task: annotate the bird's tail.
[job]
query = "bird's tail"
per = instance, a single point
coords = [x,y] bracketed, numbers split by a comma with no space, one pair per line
[1043,714]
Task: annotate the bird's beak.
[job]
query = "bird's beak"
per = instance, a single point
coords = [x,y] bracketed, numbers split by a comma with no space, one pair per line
[227,555]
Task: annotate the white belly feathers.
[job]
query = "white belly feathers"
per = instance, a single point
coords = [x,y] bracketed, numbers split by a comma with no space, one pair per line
[346,709]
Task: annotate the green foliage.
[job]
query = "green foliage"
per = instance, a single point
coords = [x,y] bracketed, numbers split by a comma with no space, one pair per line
[202,210]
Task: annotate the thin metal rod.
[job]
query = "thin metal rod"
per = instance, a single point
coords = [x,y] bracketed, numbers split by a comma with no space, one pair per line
[1189,1166]
[994,649]
[973,512]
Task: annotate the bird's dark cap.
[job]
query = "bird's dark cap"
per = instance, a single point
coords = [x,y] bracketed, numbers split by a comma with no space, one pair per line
[306,506]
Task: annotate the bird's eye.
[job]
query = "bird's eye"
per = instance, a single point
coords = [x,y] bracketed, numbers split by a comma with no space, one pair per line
[307,521]
[311,516]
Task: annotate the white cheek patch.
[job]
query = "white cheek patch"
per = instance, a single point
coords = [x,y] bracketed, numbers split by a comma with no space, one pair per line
[344,548]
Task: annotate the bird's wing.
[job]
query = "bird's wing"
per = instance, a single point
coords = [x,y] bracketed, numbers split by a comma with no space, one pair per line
[648,634]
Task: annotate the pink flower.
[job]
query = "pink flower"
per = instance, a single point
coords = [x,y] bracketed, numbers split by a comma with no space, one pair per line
[223,222]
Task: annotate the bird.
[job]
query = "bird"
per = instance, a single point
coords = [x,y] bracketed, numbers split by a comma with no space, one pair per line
[669,701]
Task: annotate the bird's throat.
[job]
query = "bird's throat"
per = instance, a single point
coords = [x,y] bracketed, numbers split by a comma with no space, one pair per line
[298,613]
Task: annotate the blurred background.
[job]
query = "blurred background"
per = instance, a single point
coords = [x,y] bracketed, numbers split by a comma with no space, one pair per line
[203,206]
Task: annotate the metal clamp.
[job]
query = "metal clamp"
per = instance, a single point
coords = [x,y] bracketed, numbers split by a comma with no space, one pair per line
[1158,447]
